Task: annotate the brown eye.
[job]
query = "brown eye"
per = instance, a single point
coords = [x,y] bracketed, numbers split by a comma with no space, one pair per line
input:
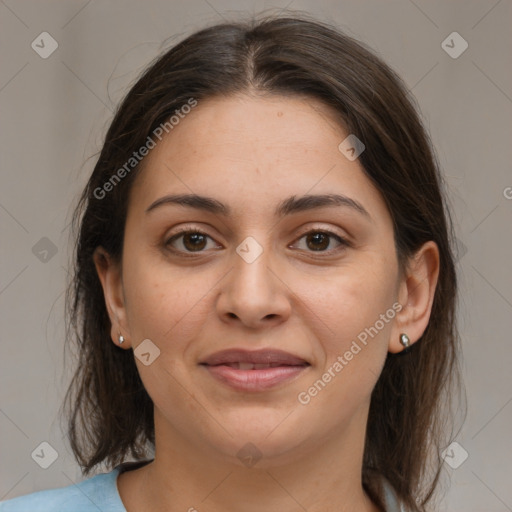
[320,241]
[194,241]
[189,241]
[317,241]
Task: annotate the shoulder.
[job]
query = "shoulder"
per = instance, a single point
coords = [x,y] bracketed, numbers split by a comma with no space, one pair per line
[98,493]
[392,503]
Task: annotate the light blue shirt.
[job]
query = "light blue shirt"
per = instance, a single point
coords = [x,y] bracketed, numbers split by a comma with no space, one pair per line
[96,494]
[100,494]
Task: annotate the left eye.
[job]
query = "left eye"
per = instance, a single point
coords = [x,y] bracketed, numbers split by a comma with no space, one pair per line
[319,241]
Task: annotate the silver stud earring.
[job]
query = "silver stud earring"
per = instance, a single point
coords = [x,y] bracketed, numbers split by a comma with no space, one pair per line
[120,339]
[406,342]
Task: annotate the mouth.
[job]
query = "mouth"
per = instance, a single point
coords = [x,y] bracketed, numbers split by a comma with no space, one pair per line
[254,370]
[252,366]
[268,358]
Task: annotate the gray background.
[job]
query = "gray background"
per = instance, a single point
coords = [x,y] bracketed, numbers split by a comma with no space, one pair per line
[55,112]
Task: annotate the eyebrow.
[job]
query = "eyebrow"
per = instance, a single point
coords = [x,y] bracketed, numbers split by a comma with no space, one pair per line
[291,205]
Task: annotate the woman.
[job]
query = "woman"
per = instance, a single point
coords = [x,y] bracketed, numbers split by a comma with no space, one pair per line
[264,288]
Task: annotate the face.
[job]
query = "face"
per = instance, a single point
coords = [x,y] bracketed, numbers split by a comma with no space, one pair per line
[259,269]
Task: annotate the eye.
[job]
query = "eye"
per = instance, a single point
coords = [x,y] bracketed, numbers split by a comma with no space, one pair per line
[320,241]
[189,240]
[194,241]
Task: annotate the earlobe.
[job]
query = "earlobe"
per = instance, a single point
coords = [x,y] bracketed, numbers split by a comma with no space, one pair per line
[109,274]
[416,294]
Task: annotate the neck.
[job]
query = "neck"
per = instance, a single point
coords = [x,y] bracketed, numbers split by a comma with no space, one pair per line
[325,476]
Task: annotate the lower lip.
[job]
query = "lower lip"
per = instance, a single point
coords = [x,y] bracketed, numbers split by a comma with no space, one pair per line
[255,380]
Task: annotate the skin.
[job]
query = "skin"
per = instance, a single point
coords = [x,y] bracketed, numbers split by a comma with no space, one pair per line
[251,152]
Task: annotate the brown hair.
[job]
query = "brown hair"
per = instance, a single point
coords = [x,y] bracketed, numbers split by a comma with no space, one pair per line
[110,413]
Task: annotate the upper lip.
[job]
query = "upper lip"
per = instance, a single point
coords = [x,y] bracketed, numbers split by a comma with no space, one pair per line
[264,356]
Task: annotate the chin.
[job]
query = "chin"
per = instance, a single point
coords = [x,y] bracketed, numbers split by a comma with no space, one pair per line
[262,444]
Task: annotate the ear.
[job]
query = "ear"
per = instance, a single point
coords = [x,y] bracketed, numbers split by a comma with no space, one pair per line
[416,295]
[109,273]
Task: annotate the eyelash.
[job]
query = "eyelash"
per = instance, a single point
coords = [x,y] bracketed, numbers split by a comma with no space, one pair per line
[191,254]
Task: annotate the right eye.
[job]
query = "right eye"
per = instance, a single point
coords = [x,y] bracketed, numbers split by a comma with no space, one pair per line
[189,241]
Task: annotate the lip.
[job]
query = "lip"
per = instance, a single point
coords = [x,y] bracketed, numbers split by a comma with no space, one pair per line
[254,371]
[263,356]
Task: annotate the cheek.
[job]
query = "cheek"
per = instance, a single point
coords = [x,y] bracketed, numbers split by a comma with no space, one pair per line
[350,300]
[354,310]
[170,308]
[353,315]
[165,304]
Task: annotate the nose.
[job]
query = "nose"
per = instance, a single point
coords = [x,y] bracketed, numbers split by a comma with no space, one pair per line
[253,293]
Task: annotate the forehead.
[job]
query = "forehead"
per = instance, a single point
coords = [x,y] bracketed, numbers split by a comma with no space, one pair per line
[245,127]
[245,148]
